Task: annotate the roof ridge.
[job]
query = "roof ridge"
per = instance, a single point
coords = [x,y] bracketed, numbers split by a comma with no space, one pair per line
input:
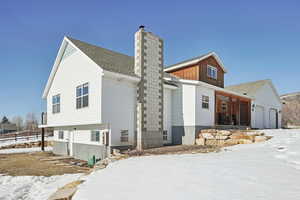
[290,94]
[196,57]
[106,49]
[251,82]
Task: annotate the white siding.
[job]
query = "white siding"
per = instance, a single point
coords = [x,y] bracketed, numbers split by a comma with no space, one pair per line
[73,71]
[168,113]
[205,117]
[187,106]
[118,109]
[267,99]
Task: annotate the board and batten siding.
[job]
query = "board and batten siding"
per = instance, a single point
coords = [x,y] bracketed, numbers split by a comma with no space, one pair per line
[199,72]
[73,71]
[118,109]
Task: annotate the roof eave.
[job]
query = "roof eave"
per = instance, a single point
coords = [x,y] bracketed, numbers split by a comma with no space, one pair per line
[196,60]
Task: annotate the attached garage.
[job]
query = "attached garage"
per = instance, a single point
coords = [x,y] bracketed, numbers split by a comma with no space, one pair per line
[259,117]
[273,118]
[266,104]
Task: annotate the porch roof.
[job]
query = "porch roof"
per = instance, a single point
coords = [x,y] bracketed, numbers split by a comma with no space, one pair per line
[200,83]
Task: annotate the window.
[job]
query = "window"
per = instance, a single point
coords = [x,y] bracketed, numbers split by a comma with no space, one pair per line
[82,96]
[60,135]
[124,135]
[205,102]
[95,136]
[212,72]
[56,104]
[165,135]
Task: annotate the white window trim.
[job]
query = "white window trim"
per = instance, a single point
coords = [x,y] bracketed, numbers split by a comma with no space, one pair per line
[82,95]
[95,132]
[213,69]
[56,104]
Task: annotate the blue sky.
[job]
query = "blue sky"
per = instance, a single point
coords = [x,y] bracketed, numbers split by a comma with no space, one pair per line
[255,39]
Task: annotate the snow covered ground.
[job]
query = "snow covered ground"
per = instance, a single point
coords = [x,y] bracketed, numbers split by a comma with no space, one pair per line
[23,150]
[262,171]
[6,142]
[32,187]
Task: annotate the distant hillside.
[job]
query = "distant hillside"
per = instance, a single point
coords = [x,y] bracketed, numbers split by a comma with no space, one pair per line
[291,109]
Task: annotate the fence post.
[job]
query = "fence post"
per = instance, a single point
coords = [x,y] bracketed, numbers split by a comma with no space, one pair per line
[43,139]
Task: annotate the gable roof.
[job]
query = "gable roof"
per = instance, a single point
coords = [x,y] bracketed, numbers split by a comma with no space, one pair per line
[107,59]
[194,61]
[251,88]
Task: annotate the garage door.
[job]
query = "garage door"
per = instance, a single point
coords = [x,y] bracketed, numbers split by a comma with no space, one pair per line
[273,118]
[259,117]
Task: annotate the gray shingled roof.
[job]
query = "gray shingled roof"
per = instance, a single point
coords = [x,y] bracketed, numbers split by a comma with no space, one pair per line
[107,59]
[198,57]
[249,88]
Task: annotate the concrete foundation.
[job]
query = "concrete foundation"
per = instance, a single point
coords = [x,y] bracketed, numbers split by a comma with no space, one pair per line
[87,151]
[60,148]
[81,151]
[186,135]
[151,139]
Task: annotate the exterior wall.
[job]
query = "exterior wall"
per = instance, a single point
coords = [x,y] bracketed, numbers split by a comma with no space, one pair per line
[199,72]
[60,148]
[205,117]
[187,106]
[168,114]
[188,116]
[190,73]
[119,109]
[73,71]
[77,142]
[267,99]
[149,66]
[203,72]
[87,151]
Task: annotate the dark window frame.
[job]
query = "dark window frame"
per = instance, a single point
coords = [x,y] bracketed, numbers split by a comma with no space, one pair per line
[205,102]
[61,135]
[165,135]
[124,136]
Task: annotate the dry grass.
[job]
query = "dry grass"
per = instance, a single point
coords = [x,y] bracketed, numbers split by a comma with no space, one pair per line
[177,149]
[34,164]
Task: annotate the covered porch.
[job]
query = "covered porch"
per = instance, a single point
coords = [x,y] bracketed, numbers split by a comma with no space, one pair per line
[232,110]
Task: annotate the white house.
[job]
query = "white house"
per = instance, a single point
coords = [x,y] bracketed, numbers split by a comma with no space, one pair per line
[98,99]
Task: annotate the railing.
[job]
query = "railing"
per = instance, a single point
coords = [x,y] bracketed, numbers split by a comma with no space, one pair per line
[44,118]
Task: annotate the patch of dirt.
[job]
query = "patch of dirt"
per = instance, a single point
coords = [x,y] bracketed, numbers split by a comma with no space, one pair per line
[39,164]
[176,149]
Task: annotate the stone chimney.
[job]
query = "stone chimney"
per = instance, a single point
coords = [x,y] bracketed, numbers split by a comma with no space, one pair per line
[149,66]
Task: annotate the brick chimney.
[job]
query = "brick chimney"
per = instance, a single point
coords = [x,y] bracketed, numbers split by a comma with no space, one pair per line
[149,66]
